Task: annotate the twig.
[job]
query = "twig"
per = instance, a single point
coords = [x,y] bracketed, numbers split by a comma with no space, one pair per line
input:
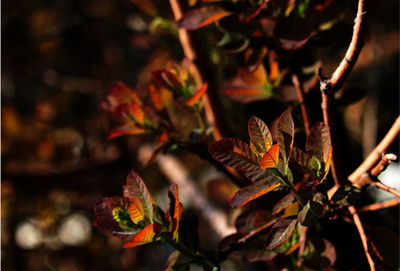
[376,154]
[212,102]
[386,188]
[330,86]
[300,94]
[363,237]
[379,205]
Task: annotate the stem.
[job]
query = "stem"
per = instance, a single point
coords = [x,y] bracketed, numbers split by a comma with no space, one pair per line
[289,184]
[363,237]
[386,188]
[379,205]
[330,86]
[196,256]
[298,86]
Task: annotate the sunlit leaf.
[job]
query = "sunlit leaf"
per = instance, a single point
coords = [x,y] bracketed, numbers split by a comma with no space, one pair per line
[136,188]
[146,235]
[253,191]
[235,153]
[127,129]
[248,86]
[136,211]
[280,232]
[197,96]
[200,17]
[259,134]
[270,158]
[174,212]
[285,138]
[104,211]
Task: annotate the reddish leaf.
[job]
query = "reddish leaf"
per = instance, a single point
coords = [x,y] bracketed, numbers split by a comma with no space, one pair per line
[136,188]
[197,96]
[235,153]
[319,144]
[259,134]
[248,86]
[136,211]
[270,158]
[253,191]
[285,135]
[167,79]
[174,212]
[283,203]
[155,97]
[201,17]
[292,33]
[280,232]
[252,220]
[145,236]
[105,220]
[127,129]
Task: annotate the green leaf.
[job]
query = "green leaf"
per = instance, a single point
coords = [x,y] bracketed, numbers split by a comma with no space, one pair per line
[200,17]
[136,188]
[280,232]
[315,164]
[285,135]
[254,191]
[233,42]
[259,135]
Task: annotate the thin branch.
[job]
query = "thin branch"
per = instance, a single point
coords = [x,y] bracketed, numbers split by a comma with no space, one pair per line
[386,188]
[300,94]
[363,237]
[379,205]
[330,86]
[376,154]
[212,101]
[382,165]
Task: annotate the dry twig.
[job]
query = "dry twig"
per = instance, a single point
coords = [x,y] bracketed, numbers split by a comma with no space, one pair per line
[300,94]
[379,205]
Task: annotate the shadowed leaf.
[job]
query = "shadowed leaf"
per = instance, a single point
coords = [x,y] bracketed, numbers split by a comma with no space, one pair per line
[136,188]
[270,158]
[322,254]
[280,232]
[172,258]
[347,195]
[235,153]
[201,17]
[253,191]
[174,212]
[319,144]
[310,214]
[145,236]
[259,134]
[285,135]
[283,203]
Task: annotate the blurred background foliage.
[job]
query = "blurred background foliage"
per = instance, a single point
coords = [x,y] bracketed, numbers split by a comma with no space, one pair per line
[59,59]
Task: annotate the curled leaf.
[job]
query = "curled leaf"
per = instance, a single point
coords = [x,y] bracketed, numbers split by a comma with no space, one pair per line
[174,212]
